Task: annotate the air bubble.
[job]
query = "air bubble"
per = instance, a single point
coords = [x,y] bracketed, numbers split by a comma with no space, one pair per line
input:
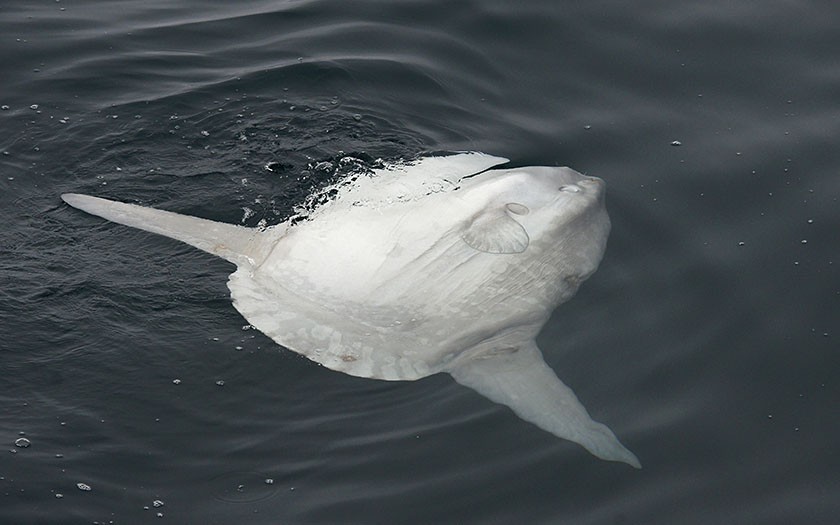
[83,486]
[22,443]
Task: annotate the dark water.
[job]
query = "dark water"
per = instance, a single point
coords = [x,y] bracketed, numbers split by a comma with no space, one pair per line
[708,340]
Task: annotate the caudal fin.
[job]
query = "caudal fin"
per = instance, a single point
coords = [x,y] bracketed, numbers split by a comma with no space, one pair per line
[238,244]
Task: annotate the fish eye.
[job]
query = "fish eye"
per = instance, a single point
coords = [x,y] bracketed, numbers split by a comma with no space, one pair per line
[570,188]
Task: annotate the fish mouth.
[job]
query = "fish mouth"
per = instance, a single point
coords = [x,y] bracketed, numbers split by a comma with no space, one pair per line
[584,185]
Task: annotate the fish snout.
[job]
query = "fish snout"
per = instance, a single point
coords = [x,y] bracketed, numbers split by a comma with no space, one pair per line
[583,184]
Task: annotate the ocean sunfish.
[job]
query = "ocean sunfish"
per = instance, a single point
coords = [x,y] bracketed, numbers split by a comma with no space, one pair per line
[441,265]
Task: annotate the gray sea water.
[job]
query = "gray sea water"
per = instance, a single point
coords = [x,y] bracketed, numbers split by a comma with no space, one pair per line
[707,340]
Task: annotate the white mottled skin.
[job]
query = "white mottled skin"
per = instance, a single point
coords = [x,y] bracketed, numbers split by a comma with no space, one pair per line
[437,266]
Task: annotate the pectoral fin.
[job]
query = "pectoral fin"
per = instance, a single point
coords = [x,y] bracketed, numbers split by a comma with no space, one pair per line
[494,231]
[519,378]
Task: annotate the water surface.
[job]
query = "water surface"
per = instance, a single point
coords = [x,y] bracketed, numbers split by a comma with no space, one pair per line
[707,339]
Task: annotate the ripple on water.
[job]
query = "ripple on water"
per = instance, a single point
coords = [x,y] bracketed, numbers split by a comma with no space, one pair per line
[243,487]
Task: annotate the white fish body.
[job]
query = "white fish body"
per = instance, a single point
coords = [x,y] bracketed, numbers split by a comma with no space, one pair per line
[439,266]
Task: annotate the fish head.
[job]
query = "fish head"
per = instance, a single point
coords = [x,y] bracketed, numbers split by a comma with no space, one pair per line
[550,213]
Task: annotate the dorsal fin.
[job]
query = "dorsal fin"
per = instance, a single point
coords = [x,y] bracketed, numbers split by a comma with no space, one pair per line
[238,244]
